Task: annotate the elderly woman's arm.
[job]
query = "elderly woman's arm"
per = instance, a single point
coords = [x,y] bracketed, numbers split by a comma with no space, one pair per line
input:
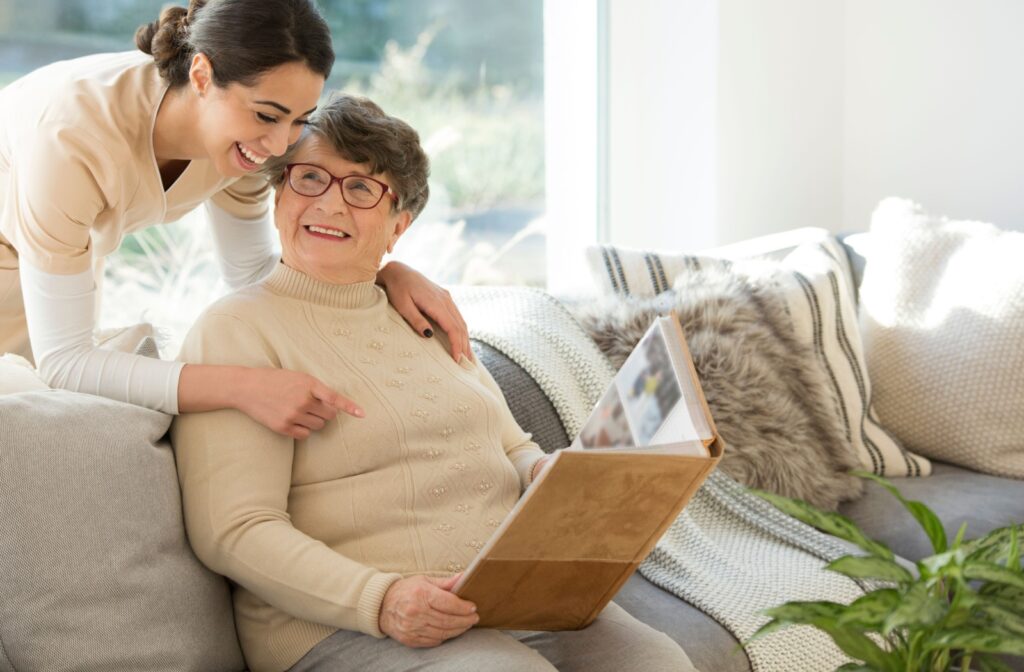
[235,477]
[519,445]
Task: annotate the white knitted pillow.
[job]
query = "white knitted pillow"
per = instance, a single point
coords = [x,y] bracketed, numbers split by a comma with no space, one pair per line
[942,315]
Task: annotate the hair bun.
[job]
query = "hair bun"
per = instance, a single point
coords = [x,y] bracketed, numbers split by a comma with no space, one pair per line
[166,39]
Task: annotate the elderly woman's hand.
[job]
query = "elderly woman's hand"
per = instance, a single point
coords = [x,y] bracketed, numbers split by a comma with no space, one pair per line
[422,612]
[290,403]
[416,298]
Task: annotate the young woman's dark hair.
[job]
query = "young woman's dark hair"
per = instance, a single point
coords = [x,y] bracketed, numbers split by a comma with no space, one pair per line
[242,38]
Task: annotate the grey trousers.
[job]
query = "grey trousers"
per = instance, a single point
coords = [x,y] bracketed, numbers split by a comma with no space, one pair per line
[614,642]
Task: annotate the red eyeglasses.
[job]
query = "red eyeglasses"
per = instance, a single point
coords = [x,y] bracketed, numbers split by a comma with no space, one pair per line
[359,191]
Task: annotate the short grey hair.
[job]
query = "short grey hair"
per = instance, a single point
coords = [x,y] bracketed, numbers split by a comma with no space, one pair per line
[361,132]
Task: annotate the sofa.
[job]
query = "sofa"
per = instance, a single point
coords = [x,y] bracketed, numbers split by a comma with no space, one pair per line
[95,571]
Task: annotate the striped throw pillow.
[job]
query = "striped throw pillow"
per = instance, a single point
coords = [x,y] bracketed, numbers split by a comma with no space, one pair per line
[814,281]
[627,272]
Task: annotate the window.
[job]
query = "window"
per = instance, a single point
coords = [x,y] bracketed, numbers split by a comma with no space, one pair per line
[467,74]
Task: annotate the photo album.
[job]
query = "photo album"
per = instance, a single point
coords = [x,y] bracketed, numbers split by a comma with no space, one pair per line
[598,508]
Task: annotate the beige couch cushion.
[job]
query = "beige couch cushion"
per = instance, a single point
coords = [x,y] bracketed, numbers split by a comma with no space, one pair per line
[942,316]
[97,573]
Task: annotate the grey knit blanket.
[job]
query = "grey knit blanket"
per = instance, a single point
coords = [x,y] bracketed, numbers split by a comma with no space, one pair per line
[729,553]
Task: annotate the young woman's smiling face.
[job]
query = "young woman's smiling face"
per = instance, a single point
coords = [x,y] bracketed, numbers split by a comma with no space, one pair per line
[242,126]
[325,237]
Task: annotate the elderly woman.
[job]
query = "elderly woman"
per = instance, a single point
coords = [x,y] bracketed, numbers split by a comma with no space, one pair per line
[344,546]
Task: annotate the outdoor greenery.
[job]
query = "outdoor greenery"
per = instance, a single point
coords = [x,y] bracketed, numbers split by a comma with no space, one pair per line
[467,74]
[964,605]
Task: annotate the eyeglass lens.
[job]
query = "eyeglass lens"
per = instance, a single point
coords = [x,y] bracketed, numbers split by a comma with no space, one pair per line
[357,191]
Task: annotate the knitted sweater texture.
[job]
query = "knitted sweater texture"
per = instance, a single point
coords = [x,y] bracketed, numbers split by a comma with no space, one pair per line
[313,532]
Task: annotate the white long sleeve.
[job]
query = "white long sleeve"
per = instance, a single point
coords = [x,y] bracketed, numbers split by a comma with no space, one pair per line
[61,317]
[246,248]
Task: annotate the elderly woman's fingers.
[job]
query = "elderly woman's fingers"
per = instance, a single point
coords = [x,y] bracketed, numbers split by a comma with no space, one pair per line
[446,602]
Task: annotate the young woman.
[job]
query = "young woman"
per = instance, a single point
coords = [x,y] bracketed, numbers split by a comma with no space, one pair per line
[97,147]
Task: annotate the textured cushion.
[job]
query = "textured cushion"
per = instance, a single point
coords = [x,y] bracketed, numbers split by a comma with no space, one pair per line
[814,282]
[638,273]
[18,375]
[942,315]
[957,496]
[97,573]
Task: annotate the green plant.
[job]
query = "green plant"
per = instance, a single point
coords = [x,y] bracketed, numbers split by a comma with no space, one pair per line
[964,605]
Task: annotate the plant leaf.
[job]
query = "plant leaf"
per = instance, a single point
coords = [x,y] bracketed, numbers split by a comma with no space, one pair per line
[1013,562]
[925,517]
[988,571]
[994,546]
[1005,596]
[918,607]
[768,628]
[934,564]
[859,646]
[854,667]
[870,611]
[824,616]
[803,613]
[976,639]
[870,567]
[833,523]
[960,536]
[1004,619]
[991,664]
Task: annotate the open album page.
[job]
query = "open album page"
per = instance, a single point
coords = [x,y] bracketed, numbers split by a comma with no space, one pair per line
[648,405]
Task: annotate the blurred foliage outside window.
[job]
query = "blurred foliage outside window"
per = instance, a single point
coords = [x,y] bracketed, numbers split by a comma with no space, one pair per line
[467,74]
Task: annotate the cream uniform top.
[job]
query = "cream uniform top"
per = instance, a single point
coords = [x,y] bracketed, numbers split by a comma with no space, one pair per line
[77,173]
[77,170]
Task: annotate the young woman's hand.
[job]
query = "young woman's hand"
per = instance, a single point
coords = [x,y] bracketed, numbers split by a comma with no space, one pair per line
[291,403]
[416,298]
[422,612]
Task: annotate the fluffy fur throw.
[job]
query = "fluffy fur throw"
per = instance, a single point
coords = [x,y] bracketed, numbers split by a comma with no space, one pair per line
[768,396]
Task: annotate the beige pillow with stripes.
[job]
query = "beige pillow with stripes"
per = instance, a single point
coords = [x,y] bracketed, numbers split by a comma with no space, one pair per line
[814,281]
[620,270]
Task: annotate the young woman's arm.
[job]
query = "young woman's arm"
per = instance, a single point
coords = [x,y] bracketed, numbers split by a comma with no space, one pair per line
[60,312]
[247,249]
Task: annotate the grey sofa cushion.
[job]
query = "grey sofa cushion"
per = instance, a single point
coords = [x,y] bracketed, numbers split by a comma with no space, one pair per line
[96,571]
[710,647]
[532,410]
[957,496]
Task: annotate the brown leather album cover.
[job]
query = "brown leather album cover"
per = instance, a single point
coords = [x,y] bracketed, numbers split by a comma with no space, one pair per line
[594,514]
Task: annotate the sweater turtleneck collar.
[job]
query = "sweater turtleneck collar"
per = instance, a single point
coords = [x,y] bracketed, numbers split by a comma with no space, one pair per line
[287,281]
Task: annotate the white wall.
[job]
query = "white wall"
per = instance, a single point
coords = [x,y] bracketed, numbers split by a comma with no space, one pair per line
[728,119]
[780,120]
[828,106]
[934,108]
[662,107]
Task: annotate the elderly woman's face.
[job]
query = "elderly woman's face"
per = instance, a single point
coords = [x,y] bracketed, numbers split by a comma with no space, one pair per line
[325,237]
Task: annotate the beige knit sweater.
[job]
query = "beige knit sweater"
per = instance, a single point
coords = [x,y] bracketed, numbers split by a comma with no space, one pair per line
[314,532]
